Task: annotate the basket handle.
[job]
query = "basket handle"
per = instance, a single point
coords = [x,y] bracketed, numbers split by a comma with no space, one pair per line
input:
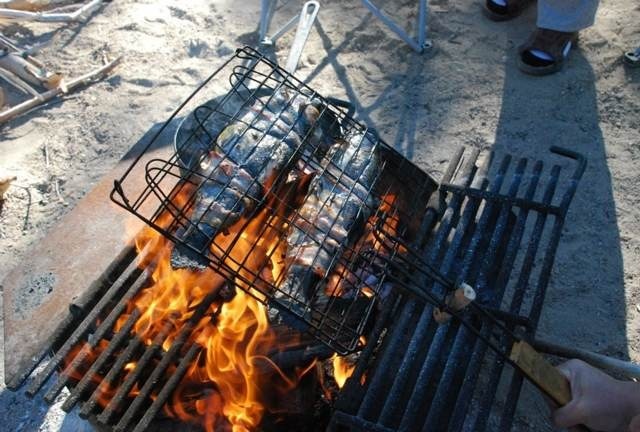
[305,22]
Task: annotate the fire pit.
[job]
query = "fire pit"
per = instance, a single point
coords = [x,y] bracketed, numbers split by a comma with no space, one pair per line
[284,246]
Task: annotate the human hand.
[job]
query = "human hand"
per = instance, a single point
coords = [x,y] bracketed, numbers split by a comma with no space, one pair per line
[599,401]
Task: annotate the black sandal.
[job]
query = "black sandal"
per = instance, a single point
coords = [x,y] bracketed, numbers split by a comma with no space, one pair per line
[545,51]
[498,12]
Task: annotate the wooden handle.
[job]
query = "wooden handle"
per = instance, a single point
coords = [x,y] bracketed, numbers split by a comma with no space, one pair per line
[539,371]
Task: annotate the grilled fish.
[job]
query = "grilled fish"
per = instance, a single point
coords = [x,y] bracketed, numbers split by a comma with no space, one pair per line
[248,156]
[337,204]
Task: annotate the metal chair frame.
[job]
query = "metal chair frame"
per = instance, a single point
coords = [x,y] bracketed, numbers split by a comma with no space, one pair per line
[419,43]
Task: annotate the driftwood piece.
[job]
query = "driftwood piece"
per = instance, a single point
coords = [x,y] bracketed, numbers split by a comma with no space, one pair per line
[18,83]
[28,71]
[64,87]
[32,5]
[22,15]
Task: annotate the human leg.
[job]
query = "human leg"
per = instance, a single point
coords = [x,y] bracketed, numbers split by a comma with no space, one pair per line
[557,32]
[567,16]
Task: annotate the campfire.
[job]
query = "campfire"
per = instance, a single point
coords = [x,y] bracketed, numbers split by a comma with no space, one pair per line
[296,272]
[232,380]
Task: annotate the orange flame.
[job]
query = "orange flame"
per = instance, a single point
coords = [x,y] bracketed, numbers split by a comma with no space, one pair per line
[240,335]
[224,387]
[342,369]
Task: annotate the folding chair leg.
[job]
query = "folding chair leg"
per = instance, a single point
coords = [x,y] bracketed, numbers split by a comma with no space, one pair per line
[418,45]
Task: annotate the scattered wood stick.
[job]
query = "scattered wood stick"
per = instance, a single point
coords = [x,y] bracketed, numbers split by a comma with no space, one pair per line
[78,15]
[31,5]
[45,150]
[64,87]
[18,83]
[28,71]
[27,214]
[56,186]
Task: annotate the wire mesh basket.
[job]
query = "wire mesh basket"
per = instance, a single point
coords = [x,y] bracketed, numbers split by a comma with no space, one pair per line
[282,192]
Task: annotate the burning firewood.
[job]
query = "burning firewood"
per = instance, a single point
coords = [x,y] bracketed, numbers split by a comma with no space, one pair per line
[5,182]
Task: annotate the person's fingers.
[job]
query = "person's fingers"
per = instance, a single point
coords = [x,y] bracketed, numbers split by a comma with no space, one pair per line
[565,369]
[571,371]
[569,415]
[634,426]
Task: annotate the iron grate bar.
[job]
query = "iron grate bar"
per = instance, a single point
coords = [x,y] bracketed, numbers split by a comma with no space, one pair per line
[458,357]
[114,271]
[519,291]
[138,278]
[471,373]
[491,246]
[378,384]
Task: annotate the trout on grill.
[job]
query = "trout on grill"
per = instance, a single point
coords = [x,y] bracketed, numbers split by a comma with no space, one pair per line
[337,204]
[249,154]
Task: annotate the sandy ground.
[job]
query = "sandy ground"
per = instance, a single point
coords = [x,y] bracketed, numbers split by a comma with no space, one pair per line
[467,91]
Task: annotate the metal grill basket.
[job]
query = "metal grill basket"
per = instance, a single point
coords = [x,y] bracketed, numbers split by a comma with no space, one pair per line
[254,151]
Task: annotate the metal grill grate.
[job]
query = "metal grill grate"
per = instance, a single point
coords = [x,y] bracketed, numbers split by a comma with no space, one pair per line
[266,147]
[420,375]
[499,228]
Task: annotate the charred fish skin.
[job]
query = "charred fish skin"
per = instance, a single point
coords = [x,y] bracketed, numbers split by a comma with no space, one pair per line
[224,193]
[337,204]
[269,134]
[248,153]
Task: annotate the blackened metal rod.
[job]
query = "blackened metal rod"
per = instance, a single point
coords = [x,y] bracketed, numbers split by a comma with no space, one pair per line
[167,358]
[406,369]
[80,389]
[153,379]
[378,383]
[363,361]
[168,388]
[473,370]
[80,331]
[110,379]
[436,348]
[139,280]
[436,203]
[432,358]
[496,371]
[532,249]
[106,281]
[536,309]
[124,389]
[354,423]
[459,354]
